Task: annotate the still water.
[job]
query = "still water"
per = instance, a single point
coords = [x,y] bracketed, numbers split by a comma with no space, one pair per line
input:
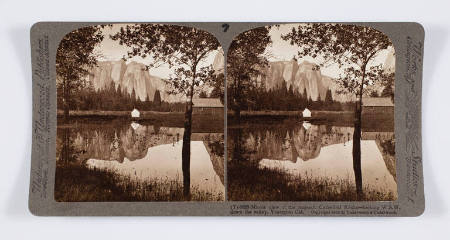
[143,151]
[317,152]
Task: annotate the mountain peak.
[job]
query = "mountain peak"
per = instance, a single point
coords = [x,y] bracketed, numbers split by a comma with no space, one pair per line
[131,76]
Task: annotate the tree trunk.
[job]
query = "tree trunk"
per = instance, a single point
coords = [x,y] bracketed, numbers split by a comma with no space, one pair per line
[236,144]
[65,151]
[66,101]
[236,106]
[186,151]
[357,155]
[237,114]
[356,151]
[236,101]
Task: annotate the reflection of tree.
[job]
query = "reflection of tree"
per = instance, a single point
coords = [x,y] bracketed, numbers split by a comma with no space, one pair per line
[157,127]
[237,144]
[216,147]
[387,149]
[214,144]
[68,153]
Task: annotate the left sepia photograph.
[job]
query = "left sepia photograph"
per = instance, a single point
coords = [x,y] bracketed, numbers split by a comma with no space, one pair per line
[140,114]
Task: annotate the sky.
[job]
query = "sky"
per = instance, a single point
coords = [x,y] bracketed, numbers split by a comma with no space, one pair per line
[279,50]
[110,50]
[282,50]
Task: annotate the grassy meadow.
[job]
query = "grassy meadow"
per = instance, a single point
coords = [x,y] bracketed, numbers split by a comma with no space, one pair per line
[248,182]
[78,183]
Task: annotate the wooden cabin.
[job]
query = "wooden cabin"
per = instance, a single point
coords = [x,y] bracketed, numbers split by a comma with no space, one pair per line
[209,106]
[381,105]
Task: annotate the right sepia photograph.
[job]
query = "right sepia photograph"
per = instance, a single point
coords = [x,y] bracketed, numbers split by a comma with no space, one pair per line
[311,114]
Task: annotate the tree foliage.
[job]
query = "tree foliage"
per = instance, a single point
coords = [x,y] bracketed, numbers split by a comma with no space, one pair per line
[218,90]
[74,57]
[387,80]
[245,62]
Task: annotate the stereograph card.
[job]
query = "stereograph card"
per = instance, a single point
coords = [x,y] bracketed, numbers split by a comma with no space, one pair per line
[226,119]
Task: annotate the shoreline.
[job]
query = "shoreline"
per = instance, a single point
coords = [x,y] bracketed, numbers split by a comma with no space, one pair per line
[102,113]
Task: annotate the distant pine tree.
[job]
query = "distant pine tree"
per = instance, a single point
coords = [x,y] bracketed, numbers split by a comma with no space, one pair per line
[328,97]
[203,94]
[374,94]
[133,98]
[157,98]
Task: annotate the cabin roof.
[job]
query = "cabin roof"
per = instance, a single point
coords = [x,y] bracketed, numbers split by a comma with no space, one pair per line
[377,102]
[207,102]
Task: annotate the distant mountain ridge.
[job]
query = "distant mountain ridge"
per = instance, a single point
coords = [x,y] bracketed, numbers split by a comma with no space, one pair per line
[303,77]
[306,76]
[135,76]
[131,76]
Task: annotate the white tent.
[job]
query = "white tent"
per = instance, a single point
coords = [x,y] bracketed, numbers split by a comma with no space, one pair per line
[306,113]
[135,113]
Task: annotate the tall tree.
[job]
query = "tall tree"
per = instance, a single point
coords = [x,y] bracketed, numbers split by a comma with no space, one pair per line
[353,48]
[245,63]
[183,49]
[328,97]
[157,99]
[133,98]
[202,94]
[387,80]
[74,57]
[218,87]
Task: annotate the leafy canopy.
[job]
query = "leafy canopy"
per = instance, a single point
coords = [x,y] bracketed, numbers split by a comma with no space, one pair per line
[75,55]
[246,61]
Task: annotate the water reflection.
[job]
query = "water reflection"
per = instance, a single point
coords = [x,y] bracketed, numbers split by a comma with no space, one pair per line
[143,152]
[164,162]
[318,152]
[336,162]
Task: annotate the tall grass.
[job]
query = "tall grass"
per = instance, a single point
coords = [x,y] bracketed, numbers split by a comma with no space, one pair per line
[78,183]
[248,182]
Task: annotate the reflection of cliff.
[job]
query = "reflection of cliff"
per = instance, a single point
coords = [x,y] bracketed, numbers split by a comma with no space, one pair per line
[116,144]
[299,142]
[131,141]
[271,144]
[308,142]
[386,144]
[214,144]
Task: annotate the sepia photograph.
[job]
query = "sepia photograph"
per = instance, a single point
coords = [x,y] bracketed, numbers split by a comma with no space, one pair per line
[311,114]
[227,120]
[140,114]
